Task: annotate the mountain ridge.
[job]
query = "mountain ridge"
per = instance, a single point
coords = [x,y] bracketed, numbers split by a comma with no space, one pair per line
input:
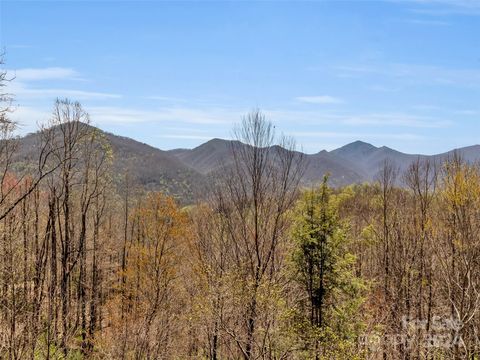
[354,162]
[183,173]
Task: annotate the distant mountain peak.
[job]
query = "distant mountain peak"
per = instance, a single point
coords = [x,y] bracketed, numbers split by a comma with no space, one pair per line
[358,145]
[214,143]
[356,148]
[184,173]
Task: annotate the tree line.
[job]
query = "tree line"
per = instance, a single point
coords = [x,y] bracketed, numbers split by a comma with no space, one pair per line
[262,267]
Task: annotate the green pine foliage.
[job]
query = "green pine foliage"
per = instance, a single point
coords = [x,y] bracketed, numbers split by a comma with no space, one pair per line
[327,320]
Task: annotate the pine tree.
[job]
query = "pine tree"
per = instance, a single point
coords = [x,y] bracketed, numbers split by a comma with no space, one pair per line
[328,312]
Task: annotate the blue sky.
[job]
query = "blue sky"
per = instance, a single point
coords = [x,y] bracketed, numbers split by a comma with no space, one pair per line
[404,74]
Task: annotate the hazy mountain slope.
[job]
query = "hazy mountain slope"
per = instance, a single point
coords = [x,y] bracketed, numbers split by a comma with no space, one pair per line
[356,152]
[468,153]
[208,156]
[353,163]
[183,173]
[177,151]
[149,167]
[153,168]
[368,159]
[342,172]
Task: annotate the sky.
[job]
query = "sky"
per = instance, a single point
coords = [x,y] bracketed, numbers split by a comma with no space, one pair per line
[404,74]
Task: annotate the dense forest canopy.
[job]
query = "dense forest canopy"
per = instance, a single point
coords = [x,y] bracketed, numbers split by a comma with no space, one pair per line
[262,267]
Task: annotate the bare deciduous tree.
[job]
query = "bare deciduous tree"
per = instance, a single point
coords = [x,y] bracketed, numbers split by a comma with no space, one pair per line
[253,199]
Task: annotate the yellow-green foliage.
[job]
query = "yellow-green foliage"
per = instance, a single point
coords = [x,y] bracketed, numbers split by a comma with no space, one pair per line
[327,318]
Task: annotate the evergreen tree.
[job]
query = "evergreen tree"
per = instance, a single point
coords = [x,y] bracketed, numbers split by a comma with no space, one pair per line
[324,269]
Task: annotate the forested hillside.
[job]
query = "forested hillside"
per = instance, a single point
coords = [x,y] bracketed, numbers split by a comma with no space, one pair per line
[98,261]
[184,173]
[146,166]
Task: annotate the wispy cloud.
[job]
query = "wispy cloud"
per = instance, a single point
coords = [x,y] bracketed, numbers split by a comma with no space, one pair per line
[400,120]
[414,73]
[28,118]
[209,116]
[468,112]
[357,135]
[353,119]
[119,115]
[50,73]
[322,99]
[166,98]
[426,107]
[25,84]
[40,93]
[313,129]
[427,22]
[222,117]
[180,123]
[186,137]
[446,7]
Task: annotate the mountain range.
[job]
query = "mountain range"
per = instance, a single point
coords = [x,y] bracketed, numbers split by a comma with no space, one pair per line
[183,173]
